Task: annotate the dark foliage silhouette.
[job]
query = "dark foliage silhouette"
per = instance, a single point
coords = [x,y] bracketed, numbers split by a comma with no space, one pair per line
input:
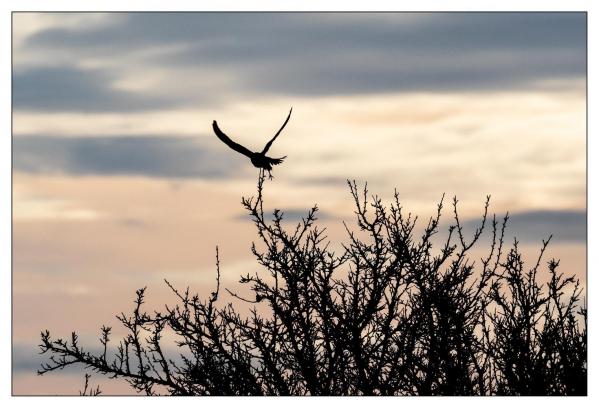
[391,314]
[259,159]
[88,390]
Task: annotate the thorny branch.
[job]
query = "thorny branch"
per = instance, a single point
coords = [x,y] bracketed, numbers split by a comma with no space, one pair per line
[388,315]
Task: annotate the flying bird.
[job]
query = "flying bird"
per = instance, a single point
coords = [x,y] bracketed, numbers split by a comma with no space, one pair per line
[259,159]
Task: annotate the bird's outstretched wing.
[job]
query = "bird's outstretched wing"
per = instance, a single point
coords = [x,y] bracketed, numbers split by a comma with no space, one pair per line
[277,134]
[226,140]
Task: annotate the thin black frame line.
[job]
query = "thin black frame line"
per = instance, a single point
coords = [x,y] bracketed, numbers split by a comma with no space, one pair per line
[302,12]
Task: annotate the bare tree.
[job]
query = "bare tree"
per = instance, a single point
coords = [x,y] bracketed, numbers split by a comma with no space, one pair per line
[391,314]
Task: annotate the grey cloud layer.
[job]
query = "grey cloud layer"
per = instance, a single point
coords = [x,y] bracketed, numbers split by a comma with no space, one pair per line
[313,54]
[294,215]
[155,156]
[58,89]
[535,225]
[225,32]
[564,225]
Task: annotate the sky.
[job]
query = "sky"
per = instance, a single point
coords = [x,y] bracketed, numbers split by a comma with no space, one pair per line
[119,181]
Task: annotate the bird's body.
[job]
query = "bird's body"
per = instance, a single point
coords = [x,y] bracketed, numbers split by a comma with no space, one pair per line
[258,159]
[264,162]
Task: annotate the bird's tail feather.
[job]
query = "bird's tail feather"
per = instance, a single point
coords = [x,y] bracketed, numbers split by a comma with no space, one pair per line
[272,161]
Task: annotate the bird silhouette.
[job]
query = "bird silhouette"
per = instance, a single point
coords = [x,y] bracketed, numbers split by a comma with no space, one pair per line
[259,159]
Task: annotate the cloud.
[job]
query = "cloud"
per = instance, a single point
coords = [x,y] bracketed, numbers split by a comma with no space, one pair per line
[353,31]
[248,54]
[564,225]
[168,157]
[132,222]
[72,89]
[26,358]
[39,209]
[290,215]
[326,181]
[536,225]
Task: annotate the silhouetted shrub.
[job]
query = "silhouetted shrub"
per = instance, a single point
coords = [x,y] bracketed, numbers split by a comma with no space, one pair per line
[389,315]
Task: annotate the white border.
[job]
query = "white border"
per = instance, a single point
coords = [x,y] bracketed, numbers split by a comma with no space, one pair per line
[279,5]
